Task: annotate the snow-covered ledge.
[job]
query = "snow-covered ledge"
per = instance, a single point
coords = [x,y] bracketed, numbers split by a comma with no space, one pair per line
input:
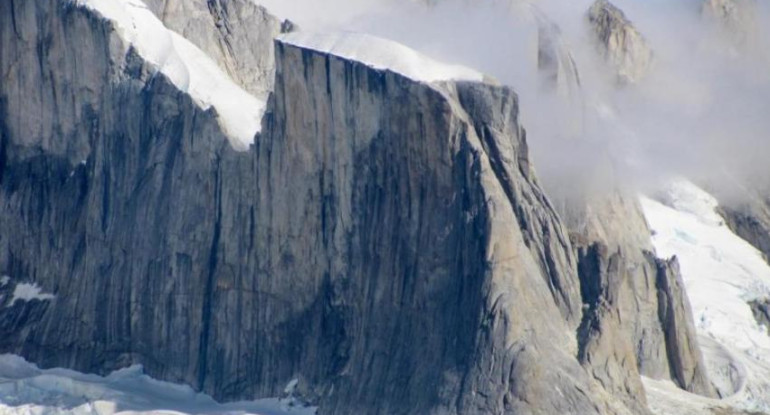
[188,68]
[380,53]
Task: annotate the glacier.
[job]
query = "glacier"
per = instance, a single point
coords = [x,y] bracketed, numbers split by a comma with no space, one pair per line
[722,274]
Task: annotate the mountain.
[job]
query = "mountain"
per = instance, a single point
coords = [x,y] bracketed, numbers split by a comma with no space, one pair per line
[330,219]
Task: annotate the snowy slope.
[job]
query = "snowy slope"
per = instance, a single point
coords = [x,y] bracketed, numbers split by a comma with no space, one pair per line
[190,69]
[25,389]
[721,273]
[380,53]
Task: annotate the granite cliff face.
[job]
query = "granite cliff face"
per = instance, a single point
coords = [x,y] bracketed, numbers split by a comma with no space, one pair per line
[636,294]
[237,34]
[637,321]
[620,42]
[384,241]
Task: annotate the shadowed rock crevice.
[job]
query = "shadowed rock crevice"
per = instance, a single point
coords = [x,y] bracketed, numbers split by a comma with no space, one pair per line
[749,219]
[760,308]
[605,346]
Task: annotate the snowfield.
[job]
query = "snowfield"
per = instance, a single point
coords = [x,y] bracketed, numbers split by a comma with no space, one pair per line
[381,53]
[721,273]
[26,389]
[188,68]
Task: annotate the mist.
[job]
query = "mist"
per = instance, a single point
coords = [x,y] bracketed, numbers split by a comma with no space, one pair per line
[702,111]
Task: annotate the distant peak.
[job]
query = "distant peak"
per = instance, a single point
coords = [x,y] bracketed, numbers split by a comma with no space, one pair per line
[620,42]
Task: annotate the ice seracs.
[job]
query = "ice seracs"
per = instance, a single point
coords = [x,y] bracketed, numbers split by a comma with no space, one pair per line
[189,69]
[381,53]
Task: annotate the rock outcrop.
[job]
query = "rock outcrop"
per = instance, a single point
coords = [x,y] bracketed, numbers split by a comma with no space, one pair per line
[604,346]
[735,18]
[621,44]
[637,319]
[237,34]
[748,216]
[634,299]
[385,241]
[760,308]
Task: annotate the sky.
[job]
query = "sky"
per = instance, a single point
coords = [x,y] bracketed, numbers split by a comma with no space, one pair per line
[703,110]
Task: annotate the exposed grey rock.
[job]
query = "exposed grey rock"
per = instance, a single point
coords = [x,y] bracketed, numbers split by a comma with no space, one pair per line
[620,42]
[385,242]
[237,34]
[623,287]
[611,353]
[760,308]
[748,216]
[619,283]
[674,312]
[604,346]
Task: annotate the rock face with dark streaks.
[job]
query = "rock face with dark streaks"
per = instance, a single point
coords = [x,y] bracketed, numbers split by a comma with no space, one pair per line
[237,34]
[637,320]
[624,48]
[749,218]
[630,290]
[760,308]
[384,241]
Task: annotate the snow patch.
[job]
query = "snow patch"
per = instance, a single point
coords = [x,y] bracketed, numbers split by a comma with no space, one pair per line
[721,273]
[27,292]
[289,389]
[4,280]
[380,53]
[189,69]
[26,389]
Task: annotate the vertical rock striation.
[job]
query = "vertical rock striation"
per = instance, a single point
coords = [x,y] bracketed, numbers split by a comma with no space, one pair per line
[620,42]
[639,295]
[637,321]
[760,308]
[384,241]
[237,34]
[748,216]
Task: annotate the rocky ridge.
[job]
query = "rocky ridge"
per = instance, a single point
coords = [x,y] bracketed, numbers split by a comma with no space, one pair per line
[237,34]
[385,241]
[624,48]
[312,256]
[637,321]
